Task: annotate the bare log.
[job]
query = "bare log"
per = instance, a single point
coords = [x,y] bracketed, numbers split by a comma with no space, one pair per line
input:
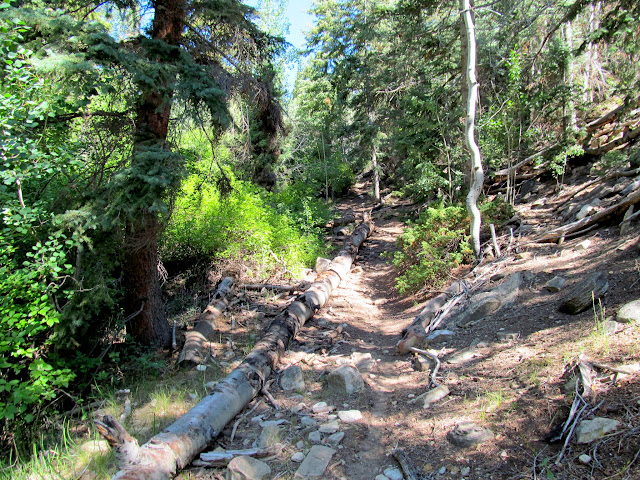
[342,221]
[411,472]
[628,136]
[197,339]
[510,171]
[610,116]
[300,287]
[421,325]
[177,445]
[613,211]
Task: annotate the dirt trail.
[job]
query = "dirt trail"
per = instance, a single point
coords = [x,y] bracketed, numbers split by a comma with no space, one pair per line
[374,315]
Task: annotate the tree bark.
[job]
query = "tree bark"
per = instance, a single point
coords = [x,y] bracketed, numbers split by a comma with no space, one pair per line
[477,174]
[142,280]
[176,446]
[196,339]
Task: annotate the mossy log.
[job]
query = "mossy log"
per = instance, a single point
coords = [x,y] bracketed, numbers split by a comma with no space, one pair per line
[176,446]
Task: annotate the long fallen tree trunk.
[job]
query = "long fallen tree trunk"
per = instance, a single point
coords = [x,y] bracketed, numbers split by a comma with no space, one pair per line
[195,349]
[176,446]
[605,215]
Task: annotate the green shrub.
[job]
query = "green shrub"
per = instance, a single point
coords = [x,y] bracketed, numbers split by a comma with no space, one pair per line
[248,225]
[438,242]
[429,249]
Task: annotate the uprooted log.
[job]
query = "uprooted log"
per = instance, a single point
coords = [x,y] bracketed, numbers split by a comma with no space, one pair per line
[616,210]
[195,349]
[423,323]
[611,115]
[177,445]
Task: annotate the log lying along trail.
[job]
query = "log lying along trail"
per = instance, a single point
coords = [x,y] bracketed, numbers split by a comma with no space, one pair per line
[175,447]
[196,342]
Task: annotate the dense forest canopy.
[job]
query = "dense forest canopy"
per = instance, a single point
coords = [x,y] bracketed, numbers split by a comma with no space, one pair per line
[136,136]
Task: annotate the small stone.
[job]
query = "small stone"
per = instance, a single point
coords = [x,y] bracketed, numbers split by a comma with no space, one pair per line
[590,430]
[629,313]
[308,421]
[247,468]
[350,416]
[329,427]
[201,368]
[363,361]
[315,463]
[440,336]
[435,395]
[300,445]
[612,327]
[556,284]
[345,379]
[270,435]
[506,337]
[298,408]
[336,438]
[524,255]
[381,477]
[583,294]
[393,474]
[442,471]
[468,434]
[584,459]
[465,471]
[315,437]
[427,468]
[292,378]
[454,469]
[584,245]
[320,407]
[297,457]
[422,364]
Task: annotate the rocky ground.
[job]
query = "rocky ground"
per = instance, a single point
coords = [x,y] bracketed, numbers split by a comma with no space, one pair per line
[344,399]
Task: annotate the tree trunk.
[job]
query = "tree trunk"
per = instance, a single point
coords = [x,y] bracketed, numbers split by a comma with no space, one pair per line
[477,174]
[142,281]
[176,446]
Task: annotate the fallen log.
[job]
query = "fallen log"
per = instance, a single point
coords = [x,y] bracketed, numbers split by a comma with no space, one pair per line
[195,349]
[421,325]
[628,137]
[613,211]
[300,287]
[176,446]
[505,172]
[611,115]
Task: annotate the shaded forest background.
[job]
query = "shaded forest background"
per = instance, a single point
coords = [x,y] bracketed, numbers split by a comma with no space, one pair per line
[139,140]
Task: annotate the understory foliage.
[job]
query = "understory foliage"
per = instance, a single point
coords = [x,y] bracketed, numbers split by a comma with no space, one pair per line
[438,242]
[245,225]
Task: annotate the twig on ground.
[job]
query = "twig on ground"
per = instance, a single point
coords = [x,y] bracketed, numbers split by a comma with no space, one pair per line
[243,417]
[434,372]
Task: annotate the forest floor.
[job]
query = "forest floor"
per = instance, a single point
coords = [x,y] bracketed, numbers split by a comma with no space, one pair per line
[513,387]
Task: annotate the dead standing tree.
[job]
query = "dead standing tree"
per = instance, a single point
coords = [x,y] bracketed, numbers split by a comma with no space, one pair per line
[175,447]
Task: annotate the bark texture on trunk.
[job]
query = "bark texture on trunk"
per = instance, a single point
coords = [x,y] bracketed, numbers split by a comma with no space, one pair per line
[142,281]
[176,446]
[477,174]
[196,340]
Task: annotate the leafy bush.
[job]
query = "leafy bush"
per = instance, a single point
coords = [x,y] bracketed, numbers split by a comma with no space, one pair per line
[430,248]
[243,225]
[438,242]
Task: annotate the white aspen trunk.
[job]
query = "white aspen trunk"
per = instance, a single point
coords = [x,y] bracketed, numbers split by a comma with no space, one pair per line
[376,175]
[477,174]
[176,446]
[195,350]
